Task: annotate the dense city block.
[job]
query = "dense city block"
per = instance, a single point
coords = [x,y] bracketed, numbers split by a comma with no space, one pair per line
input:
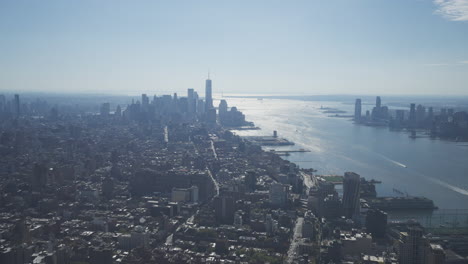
[165,180]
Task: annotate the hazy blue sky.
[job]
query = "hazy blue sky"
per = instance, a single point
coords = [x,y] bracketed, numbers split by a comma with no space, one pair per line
[309,47]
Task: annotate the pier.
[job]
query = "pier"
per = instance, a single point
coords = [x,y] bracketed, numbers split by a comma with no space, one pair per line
[287,152]
[273,140]
[269,141]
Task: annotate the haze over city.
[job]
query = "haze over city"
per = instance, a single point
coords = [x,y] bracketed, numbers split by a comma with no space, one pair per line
[298,47]
[234,132]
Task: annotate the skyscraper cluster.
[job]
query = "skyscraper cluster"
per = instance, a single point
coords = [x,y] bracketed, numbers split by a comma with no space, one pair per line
[446,123]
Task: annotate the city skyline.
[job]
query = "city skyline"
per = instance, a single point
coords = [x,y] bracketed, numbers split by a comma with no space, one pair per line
[385,47]
[266,131]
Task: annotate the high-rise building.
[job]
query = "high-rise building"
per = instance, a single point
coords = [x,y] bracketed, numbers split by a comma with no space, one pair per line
[412,114]
[279,194]
[191,101]
[251,180]
[430,114]
[357,110]
[180,195]
[208,95]
[185,194]
[190,93]
[144,102]
[411,246]
[309,226]
[200,107]
[223,111]
[420,113]
[400,115]
[118,111]
[211,116]
[435,254]
[376,223]
[378,102]
[351,188]
[223,107]
[224,209]
[194,194]
[16,105]
[105,109]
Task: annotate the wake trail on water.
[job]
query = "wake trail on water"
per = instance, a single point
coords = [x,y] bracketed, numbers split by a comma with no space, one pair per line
[449,186]
[392,161]
[434,180]
[442,183]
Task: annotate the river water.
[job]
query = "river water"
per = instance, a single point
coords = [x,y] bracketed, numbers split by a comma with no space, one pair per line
[436,169]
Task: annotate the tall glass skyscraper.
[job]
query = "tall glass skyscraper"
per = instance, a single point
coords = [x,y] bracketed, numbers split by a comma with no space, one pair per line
[208,94]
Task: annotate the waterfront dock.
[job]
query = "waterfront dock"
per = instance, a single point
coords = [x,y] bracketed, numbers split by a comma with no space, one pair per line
[269,141]
[287,152]
[245,128]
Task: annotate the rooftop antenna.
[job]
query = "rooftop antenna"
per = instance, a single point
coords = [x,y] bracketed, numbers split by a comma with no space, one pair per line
[208,74]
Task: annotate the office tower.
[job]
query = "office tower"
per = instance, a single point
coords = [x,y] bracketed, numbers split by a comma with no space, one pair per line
[185,194]
[200,107]
[118,111]
[211,116]
[208,95]
[357,110]
[351,188]
[430,114]
[251,180]
[378,102]
[180,195]
[435,254]
[278,194]
[144,101]
[190,93]
[16,105]
[191,100]
[193,194]
[376,223]
[224,209]
[400,116]
[420,113]
[105,109]
[309,225]
[412,114]
[223,107]
[223,111]
[412,246]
